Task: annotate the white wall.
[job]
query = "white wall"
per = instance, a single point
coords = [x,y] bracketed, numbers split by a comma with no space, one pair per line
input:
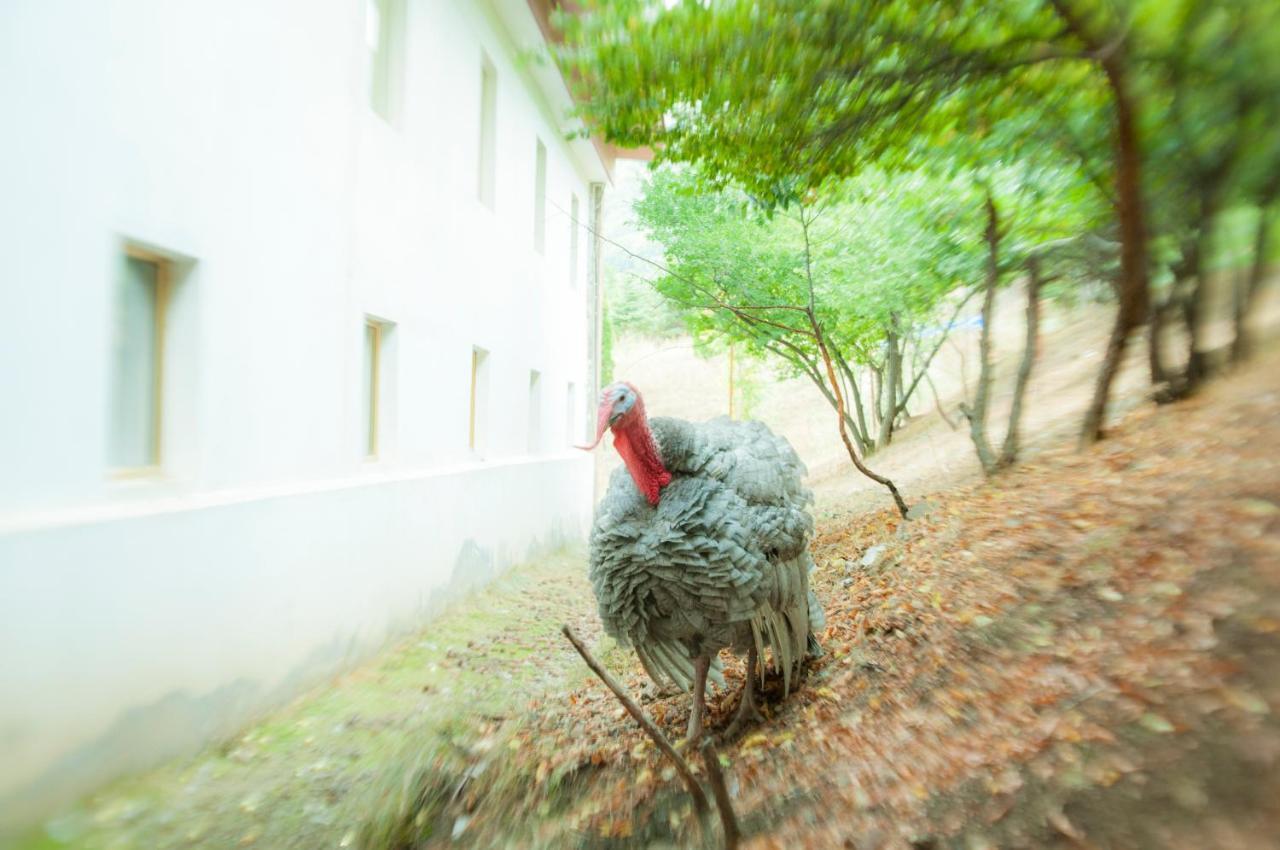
[237,139]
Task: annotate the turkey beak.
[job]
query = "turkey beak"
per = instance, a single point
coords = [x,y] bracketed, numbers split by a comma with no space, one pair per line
[605,417]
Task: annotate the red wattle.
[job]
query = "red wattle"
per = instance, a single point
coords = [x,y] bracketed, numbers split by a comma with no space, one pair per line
[640,454]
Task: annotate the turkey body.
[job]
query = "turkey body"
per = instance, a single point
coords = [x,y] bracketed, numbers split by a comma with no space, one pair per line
[721,560]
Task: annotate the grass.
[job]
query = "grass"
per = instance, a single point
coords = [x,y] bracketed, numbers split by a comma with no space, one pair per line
[332,768]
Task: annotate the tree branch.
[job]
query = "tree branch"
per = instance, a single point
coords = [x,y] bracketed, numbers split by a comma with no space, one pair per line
[654,733]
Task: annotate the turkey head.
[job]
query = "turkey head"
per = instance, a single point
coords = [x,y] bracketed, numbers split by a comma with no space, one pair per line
[622,411]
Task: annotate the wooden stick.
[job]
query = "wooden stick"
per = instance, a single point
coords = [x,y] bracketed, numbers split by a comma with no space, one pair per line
[682,766]
[727,818]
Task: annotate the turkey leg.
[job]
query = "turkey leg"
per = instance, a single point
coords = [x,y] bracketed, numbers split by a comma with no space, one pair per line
[747,712]
[701,665]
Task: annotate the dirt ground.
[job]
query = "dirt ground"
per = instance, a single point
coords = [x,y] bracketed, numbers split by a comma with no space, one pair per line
[927,454]
[1085,653]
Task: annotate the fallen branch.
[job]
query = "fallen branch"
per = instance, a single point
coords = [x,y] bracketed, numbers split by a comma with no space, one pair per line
[682,766]
[727,819]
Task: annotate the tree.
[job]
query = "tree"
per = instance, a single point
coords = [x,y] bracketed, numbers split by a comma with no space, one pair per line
[729,262]
[783,95]
[1215,67]
[792,284]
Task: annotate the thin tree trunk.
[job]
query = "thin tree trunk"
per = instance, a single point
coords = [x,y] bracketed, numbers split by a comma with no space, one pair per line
[937,403]
[844,432]
[1246,290]
[851,380]
[918,374]
[964,373]
[1111,359]
[900,396]
[1155,351]
[982,397]
[815,376]
[1133,287]
[841,417]
[730,380]
[893,372]
[1193,306]
[1009,452]
[877,391]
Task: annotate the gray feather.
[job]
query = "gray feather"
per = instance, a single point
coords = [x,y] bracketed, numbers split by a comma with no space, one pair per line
[722,561]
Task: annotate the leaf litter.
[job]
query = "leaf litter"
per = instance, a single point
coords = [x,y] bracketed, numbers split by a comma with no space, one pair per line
[1078,654]
[1082,653]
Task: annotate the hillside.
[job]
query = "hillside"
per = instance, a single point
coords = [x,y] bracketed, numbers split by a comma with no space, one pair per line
[1086,655]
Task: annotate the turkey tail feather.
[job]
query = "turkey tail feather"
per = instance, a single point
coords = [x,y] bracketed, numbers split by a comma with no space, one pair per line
[668,661]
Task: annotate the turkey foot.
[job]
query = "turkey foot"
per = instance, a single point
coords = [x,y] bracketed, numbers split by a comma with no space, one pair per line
[813,649]
[701,665]
[747,714]
[653,691]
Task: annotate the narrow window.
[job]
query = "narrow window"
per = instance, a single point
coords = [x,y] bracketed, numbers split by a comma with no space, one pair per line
[540,199]
[571,414]
[573,242]
[384,35]
[371,380]
[137,362]
[479,399]
[535,411]
[488,132]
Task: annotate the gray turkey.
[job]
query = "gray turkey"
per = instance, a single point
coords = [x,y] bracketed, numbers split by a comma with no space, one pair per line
[701,543]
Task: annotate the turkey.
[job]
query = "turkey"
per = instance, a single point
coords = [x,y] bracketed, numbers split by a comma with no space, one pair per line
[701,543]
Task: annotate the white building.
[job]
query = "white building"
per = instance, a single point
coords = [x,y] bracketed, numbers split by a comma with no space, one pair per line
[297,332]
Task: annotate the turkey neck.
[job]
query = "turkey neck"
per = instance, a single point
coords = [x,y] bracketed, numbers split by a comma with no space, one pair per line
[639,452]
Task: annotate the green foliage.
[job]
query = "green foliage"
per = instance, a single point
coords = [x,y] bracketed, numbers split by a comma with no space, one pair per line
[629,258]
[859,265]
[636,308]
[749,377]
[1108,139]
[780,96]
[1212,72]
[606,346]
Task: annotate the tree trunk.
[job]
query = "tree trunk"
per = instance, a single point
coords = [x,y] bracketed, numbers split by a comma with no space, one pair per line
[901,395]
[842,421]
[964,373]
[893,376]
[1009,452]
[920,370]
[1193,306]
[982,397]
[877,392]
[814,374]
[1246,289]
[851,381]
[1093,417]
[1155,350]
[1133,289]
[937,403]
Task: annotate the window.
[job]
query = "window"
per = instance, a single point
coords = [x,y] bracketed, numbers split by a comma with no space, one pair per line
[535,411]
[384,36]
[371,375]
[573,242]
[476,429]
[540,199]
[137,362]
[571,414]
[488,132]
